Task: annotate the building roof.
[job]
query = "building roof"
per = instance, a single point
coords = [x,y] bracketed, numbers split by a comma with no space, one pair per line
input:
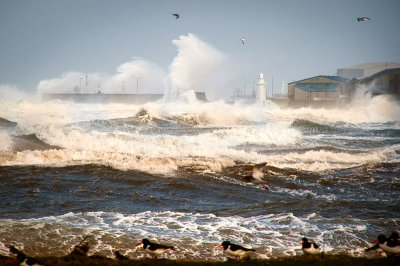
[381,73]
[318,87]
[367,69]
[336,78]
[374,66]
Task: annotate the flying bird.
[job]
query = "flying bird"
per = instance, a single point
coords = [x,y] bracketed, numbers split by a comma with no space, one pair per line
[257,175]
[363,19]
[242,40]
[176,15]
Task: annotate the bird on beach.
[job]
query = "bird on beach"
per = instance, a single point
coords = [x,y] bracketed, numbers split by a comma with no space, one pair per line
[393,239]
[154,249]
[82,248]
[309,248]
[21,258]
[175,15]
[257,175]
[390,245]
[235,250]
[119,256]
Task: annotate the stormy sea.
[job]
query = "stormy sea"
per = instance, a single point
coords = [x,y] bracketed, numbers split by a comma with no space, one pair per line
[174,172]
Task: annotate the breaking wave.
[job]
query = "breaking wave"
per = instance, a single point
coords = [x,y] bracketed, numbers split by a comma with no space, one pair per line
[194,235]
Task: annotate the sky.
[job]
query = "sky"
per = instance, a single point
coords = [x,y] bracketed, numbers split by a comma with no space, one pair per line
[137,44]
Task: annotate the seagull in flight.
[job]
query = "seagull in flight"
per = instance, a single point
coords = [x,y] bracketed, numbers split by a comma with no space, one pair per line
[176,15]
[363,19]
[257,175]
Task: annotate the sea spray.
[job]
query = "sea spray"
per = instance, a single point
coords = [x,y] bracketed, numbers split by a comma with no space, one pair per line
[377,109]
[194,66]
[135,76]
[5,142]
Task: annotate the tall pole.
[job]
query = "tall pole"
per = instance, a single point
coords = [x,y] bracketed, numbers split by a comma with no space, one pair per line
[272,87]
[86,85]
[137,84]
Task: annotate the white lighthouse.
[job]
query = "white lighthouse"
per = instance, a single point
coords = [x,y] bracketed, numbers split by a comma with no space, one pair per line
[261,89]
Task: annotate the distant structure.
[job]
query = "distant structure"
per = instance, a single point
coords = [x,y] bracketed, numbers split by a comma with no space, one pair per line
[259,94]
[325,91]
[365,70]
[384,82]
[240,96]
[316,91]
[112,98]
[261,89]
[283,89]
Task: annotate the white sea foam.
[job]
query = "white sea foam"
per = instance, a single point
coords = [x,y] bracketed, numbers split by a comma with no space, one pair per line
[271,235]
[164,154]
[5,141]
[232,128]
[321,160]
[378,109]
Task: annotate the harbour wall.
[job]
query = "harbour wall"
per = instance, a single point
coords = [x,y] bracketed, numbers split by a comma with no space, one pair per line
[112,98]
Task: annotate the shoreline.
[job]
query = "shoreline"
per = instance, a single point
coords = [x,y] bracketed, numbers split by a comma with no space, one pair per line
[333,260]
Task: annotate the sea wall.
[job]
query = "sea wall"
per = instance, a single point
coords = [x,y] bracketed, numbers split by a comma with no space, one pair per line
[111,98]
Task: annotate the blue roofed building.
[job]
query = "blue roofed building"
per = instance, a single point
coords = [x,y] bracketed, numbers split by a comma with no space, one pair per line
[316,91]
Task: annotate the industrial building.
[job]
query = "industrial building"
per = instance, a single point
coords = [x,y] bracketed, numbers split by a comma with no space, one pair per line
[365,70]
[316,91]
[326,90]
[374,78]
[383,82]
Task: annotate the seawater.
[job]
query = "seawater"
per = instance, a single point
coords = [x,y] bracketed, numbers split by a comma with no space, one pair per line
[173,173]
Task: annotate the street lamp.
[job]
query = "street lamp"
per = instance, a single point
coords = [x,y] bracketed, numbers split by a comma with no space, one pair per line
[137,84]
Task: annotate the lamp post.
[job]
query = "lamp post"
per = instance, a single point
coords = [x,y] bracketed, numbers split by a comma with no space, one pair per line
[137,84]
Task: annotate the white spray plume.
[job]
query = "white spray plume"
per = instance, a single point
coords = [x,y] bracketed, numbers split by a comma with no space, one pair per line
[197,67]
[132,75]
[194,68]
[138,75]
[5,141]
[68,81]
[11,93]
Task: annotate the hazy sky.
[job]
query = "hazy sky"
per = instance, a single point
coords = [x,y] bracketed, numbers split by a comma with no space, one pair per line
[285,39]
